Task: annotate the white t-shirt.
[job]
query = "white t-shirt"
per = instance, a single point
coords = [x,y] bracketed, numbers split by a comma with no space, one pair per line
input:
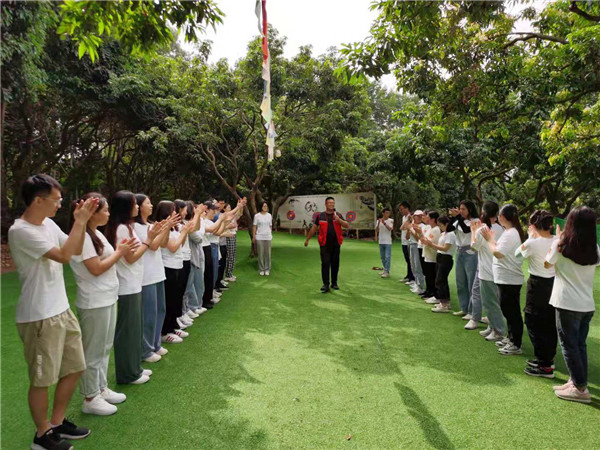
[154,271]
[574,284]
[205,235]
[263,223]
[95,291]
[413,238]
[404,233]
[485,256]
[447,238]
[508,270]
[186,252]
[385,235]
[43,292]
[536,251]
[430,253]
[463,239]
[170,259]
[130,275]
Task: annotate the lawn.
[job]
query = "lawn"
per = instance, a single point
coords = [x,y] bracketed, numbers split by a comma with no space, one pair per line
[277,364]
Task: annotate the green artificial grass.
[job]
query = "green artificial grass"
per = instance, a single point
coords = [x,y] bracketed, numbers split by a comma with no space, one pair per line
[277,364]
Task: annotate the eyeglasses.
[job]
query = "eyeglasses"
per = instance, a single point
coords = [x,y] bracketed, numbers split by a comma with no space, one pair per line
[57,201]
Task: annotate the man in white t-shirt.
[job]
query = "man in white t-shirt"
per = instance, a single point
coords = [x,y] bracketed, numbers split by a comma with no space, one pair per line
[406,216]
[48,328]
[384,229]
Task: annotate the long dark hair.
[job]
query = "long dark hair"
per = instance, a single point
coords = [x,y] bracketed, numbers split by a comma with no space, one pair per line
[542,220]
[190,210]
[121,206]
[140,198]
[179,204]
[488,210]
[579,240]
[98,245]
[510,213]
[164,210]
[471,208]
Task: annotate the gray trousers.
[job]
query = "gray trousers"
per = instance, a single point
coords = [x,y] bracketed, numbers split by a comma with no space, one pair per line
[263,249]
[491,305]
[415,264]
[476,299]
[97,334]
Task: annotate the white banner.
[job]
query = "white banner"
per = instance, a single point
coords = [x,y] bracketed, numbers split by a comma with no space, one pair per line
[358,209]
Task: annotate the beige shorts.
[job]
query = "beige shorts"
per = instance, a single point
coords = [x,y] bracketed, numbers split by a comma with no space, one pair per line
[53,348]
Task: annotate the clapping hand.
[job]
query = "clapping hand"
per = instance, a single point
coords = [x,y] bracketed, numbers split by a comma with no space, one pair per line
[85,209]
[487,234]
[127,246]
[454,212]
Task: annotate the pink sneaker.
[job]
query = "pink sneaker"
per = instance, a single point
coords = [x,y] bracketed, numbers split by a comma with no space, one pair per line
[575,395]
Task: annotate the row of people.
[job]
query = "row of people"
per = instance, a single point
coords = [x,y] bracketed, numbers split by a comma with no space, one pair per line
[140,284]
[487,253]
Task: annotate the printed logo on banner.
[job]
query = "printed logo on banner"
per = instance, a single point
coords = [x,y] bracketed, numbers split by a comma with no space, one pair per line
[291,215]
[350,216]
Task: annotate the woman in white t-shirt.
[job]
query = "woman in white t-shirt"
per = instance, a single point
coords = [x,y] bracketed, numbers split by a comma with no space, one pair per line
[186,211]
[130,271]
[540,316]
[97,293]
[488,291]
[446,246]
[153,284]
[384,229]
[262,236]
[172,258]
[432,233]
[508,276]
[575,256]
[232,248]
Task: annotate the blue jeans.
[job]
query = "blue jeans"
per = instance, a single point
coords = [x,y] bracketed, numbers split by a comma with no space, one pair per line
[214,250]
[385,250]
[466,267]
[415,264]
[476,299]
[573,328]
[195,289]
[491,305]
[153,315]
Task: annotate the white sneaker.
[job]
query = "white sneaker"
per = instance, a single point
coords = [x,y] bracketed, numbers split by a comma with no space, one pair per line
[141,380]
[267,273]
[385,275]
[162,351]
[171,338]
[188,321]
[459,313]
[147,372]
[471,325]
[486,332]
[494,336]
[414,289]
[419,291]
[224,283]
[467,317]
[503,342]
[510,349]
[191,314]
[98,406]
[262,272]
[573,394]
[230,279]
[181,323]
[217,293]
[216,300]
[441,308]
[432,301]
[154,357]
[200,310]
[485,320]
[181,333]
[112,397]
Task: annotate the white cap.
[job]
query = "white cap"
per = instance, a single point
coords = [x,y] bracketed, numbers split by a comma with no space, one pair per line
[418,212]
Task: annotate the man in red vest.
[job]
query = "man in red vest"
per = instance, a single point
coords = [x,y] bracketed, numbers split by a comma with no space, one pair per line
[329,224]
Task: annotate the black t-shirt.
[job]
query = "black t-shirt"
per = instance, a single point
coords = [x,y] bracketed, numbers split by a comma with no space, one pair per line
[331,239]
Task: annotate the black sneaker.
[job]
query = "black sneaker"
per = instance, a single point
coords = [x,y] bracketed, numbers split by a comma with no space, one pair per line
[209,305]
[546,372]
[324,289]
[222,287]
[50,441]
[68,430]
[335,286]
[536,363]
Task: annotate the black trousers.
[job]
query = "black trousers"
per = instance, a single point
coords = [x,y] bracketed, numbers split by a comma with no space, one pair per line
[510,303]
[208,275]
[330,262]
[173,298]
[406,254]
[444,267]
[222,263]
[429,270]
[540,318]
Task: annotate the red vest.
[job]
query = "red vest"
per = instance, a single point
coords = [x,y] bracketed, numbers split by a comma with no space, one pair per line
[324,225]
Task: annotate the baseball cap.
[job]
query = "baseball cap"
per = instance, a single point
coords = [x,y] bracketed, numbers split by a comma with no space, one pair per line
[418,212]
